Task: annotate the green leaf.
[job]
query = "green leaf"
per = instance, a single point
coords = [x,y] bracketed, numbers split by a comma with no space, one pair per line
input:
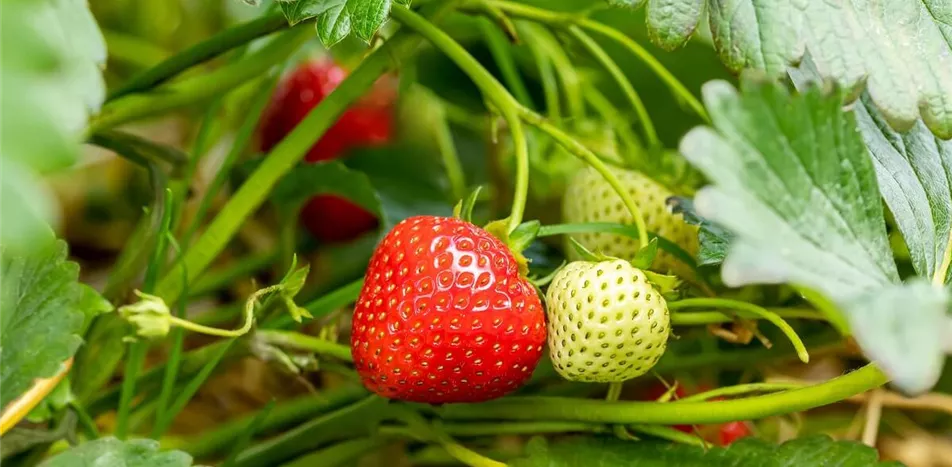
[793,181]
[330,177]
[645,256]
[713,239]
[337,19]
[815,451]
[915,176]
[901,49]
[40,314]
[672,22]
[50,79]
[902,328]
[914,169]
[110,452]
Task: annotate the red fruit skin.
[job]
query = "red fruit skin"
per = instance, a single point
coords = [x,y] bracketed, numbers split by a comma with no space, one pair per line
[444,316]
[368,123]
[732,431]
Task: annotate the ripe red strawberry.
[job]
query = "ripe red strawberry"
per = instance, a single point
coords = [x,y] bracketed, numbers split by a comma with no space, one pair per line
[444,315]
[369,122]
[733,431]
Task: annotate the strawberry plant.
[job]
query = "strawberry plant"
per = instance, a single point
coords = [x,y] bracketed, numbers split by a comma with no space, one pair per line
[475,232]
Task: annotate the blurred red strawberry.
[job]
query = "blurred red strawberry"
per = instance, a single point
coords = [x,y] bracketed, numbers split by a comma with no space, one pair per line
[369,122]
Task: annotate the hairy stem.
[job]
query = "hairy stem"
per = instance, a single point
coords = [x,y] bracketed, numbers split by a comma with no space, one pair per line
[198,53]
[491,88]
[749,308]
[588,410]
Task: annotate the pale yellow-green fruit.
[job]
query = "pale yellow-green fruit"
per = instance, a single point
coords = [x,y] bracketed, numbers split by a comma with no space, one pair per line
[589,198]
[606,322]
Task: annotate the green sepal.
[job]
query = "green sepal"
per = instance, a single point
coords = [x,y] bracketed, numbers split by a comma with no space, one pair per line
[663,283]
[500,230]
[543,281]
[523,235]
[587,254]
[464,208]
[150,316]
[646,255]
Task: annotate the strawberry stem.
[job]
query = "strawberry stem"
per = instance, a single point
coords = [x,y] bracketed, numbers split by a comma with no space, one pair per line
[750,308]
[740,389]
[492,89]
[577,149]
[629,412]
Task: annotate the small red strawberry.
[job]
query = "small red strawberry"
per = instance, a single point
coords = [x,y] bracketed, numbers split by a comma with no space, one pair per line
[444,315]
[369,122]
[733,431]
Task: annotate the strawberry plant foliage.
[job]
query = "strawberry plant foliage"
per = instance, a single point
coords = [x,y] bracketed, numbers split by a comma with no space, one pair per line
[900,49]
[52,54]
[793,181]
[111,452]
[40,316]
[337,19]
[816,451]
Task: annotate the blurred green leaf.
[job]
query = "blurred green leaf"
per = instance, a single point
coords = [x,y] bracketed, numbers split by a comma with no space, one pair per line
[672,22]
[902,328]
[52,53]
[815,451]
[110,452]
[337,19]
[331,177]
[40,314]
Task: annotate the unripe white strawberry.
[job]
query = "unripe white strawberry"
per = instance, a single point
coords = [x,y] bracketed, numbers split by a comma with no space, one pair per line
[606,322]
[589,198]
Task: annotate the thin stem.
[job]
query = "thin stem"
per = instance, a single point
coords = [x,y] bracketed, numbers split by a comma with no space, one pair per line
[560,19]
[86,422]
[139,149]
[695,413]
[172,364]
[198,53]
[612,68]
[450,157]
[134,362]
[328,303]
[750,308]
[668,433]
[499,48]
[550,86]
[304,342]
[281,160]
[200,88]
[634,156]
[494,91]
[940,274]
[580,151]
[700,318]
[249,314]
[240,143]
[740,389]
[549,46]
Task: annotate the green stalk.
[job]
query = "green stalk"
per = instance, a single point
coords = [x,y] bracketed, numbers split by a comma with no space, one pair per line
[740,389]
[171,367]
[612,68]
[561,20]
[694,413]
[499,48]
[343,453]
[749,308]
[701,318]
[192,387]
[219,43]
[493,90]
[550,85]
[550,47]
[201,88]
[281,160]
[450,157]
[580,151]
[248,433]
[238,146]
[298,341]
[217,279]
[284,415]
